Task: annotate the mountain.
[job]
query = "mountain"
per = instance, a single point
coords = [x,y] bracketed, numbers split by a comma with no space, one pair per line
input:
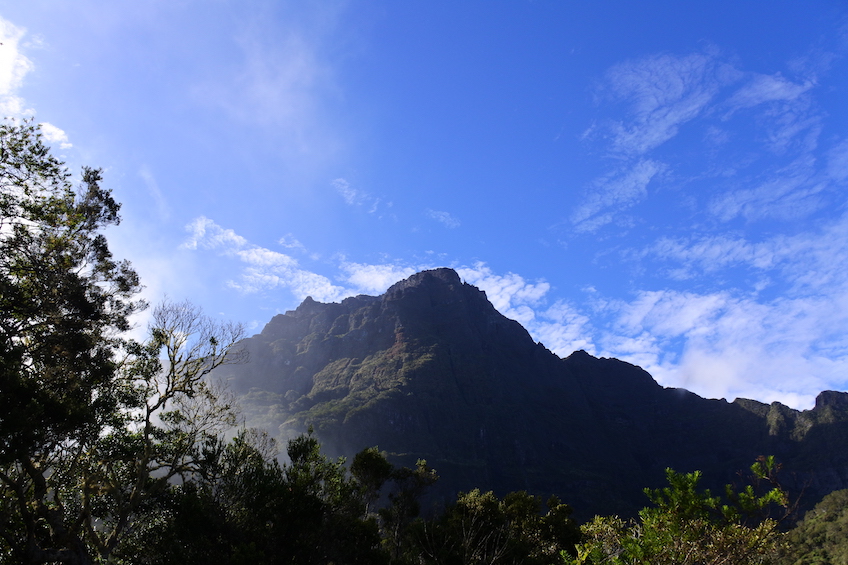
[431,370]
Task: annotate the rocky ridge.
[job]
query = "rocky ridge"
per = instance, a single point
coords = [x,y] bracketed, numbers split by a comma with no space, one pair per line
[431,370]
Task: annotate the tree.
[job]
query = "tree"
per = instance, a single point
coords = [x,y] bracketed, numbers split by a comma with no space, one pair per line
[93,427]
[822,536]
[62,298]
[168,413]
[89,493]
[404,505]
[689,526]
[371,470]
[480,528]
[246,507]
[63,302]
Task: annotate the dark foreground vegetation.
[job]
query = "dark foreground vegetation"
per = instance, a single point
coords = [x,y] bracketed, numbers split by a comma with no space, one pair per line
[114,450]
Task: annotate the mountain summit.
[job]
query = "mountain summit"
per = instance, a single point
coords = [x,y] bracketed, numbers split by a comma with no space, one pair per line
[432,370]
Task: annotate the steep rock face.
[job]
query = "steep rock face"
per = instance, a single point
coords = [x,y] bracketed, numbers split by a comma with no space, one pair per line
[431,370]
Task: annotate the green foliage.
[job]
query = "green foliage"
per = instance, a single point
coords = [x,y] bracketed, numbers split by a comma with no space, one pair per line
[371,470]
[689,526]
[245,507]
[63,301]
[62,298]
[405,506]
[822,536]
[480,528]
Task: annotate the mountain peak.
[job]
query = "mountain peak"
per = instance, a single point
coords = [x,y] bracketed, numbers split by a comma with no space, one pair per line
[432,277]
[837,400]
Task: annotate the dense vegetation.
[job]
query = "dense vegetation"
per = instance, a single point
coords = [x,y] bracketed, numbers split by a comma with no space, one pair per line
[688,526]
[822,537]
[114,451]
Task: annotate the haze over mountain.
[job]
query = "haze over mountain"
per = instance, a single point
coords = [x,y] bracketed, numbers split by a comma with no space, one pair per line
[432,370]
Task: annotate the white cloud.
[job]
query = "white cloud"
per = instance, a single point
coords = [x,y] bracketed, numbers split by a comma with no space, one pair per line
[669,314]
[664,92]
[615,192]
[445,218]
[376,279]
[351,196]
[792,191]
[263,269]
[562,329]
[260,257]
[14,66]
[511,294]
[301,283]
[354,197]
[290,242]
[55,135]
[767,88]
[738,342]
[733,346]
[209,235]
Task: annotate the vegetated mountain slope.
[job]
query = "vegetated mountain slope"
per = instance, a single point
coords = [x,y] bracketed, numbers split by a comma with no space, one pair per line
[431,370]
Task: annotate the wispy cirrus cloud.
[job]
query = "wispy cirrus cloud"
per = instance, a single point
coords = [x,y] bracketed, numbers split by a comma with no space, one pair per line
[613,193]
[351,196]
[772,114]
[786,108]
[837,162]
[809,262]
[790,126]
[162,208]
[445,218]
[357,197]
[662,92]
[789,192]
[278,75]
[759,89]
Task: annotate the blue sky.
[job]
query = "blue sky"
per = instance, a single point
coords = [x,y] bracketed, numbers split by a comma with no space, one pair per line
[659,181]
